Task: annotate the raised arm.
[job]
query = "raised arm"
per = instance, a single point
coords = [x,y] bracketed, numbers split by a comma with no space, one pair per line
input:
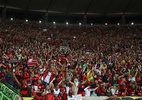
[51,83]
[90,89]
[16,80]
[136,73]
[71,82]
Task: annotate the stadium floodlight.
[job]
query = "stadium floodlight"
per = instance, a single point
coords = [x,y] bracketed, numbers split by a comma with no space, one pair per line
[91,23]
[67,23]
[105,23]
[54,22]
[118,24]
[79,24]
[11,19]
[26,20]
[40,21]
[132,23]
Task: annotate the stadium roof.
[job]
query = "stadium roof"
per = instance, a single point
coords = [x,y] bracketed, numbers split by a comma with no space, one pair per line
[93,7]
[77,7]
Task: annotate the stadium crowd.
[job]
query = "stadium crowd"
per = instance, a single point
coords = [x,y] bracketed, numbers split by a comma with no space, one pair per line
[59,60]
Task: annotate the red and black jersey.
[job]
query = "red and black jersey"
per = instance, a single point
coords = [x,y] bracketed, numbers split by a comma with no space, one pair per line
[122,82]
[62,90]
[81,87]
[81,90]
[64,72]
[52,75]
[131,92]
[101,90]
[122,86]
[26,76]
[41,87]
[63,59]
[100,80]
[24,91]
[40,76]
[19,75]
[84,77]
[117,69]
[79,70]
[139,92]
[138,80]
[63,94]
[2,76]
[35,80]
[110,77]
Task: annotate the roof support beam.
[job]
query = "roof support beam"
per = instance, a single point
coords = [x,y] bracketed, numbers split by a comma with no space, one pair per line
[46,18]
[85,19]
[68,8]
[51,2]
[4,9]
[127,6]
[108,6]
[27,8]
[5,3]
[28,5]
[86,10]
[88,6]
[49,5]
[123,19]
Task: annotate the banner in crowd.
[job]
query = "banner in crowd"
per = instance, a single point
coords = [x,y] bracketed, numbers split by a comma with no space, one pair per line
[7,94]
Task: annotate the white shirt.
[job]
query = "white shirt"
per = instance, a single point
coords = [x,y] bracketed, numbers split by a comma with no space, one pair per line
[56,92]
[35,88]
[76,84]
[67,89]
[47,78]
[98,70]
[113,91]
[139,67]
[88,91]
[133,79]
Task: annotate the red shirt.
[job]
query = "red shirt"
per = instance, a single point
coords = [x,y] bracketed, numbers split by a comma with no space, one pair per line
[26,76]
[35,80]
[2,76]
[84,77]
[24,91]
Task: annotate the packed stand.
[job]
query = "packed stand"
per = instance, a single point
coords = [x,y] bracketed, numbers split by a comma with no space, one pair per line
[60,61]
